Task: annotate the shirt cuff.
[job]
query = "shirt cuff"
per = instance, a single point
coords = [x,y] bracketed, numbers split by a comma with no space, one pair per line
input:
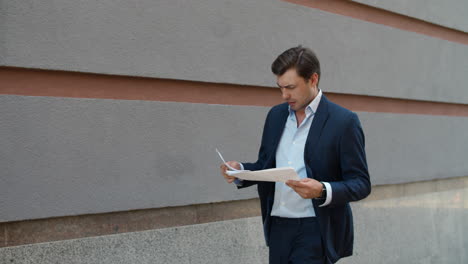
[239,182]
[329,194]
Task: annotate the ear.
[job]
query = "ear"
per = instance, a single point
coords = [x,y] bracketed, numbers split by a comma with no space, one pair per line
[313,81]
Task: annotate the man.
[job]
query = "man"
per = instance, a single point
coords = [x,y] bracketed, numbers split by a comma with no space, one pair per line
[310,220]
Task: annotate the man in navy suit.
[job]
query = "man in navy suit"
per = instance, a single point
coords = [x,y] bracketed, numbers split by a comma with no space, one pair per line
[309,220]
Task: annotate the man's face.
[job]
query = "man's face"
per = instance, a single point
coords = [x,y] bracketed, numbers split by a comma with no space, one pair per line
[297,91]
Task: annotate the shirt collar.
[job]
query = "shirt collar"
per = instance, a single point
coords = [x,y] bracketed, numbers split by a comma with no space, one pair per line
[312,107]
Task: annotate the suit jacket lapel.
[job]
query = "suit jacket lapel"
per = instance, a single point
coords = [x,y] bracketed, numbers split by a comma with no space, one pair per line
[279,123]
[316,128]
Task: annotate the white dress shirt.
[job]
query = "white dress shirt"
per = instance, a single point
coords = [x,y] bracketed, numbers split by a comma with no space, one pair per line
[290,153]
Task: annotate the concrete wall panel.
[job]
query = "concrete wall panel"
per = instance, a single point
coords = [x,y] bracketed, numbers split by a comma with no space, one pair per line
[406,148]
[229,42]
[449,13]
[68,156]
[63,156]
[236,241]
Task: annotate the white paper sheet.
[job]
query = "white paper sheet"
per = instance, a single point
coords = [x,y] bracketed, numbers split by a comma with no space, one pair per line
[271,175]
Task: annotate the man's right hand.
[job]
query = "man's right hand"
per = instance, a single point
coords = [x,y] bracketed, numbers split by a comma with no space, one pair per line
[223,167]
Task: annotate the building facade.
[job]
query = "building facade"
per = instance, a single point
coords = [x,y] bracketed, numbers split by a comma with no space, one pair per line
[111,111]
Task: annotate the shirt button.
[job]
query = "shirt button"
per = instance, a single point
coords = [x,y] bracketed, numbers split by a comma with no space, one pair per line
[289,162]
[283,203]
[294,142]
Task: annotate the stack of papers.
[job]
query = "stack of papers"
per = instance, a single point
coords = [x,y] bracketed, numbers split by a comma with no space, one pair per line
[270,175]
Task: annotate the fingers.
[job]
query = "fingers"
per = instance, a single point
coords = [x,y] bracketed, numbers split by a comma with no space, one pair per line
[301,191]
[306,188]
[223,168]
[291,183]
[234,164]
[297,184]
[229,179]
[302,183]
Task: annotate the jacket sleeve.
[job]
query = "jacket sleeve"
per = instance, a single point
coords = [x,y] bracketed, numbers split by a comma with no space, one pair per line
[355,184]
[262,154]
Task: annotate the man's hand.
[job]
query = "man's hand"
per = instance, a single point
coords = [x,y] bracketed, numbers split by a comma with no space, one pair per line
[235,165]
[307,188]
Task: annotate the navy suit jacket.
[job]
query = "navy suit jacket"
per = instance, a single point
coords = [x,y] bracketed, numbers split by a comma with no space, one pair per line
[334,152]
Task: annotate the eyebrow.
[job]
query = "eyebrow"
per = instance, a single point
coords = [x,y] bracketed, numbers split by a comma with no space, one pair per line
[286,86]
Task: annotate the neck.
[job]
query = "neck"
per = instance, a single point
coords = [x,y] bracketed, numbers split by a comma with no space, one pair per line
[300,116]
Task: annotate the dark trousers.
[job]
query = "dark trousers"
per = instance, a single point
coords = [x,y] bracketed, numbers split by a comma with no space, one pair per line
[295,240]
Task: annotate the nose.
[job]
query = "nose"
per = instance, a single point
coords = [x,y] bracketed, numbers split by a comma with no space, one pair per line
[284,94]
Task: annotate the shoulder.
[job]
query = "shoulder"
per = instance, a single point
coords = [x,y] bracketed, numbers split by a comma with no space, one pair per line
[340,114]
[279,109]
[337,109]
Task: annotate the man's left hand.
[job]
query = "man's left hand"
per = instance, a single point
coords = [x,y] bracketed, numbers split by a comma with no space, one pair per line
[307,188]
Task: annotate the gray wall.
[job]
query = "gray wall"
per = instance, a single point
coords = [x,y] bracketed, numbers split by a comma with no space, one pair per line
[448,13]
[74,156]
[64,156]
[229,42]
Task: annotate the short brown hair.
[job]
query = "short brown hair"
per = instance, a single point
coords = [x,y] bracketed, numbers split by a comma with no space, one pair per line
[301,58]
